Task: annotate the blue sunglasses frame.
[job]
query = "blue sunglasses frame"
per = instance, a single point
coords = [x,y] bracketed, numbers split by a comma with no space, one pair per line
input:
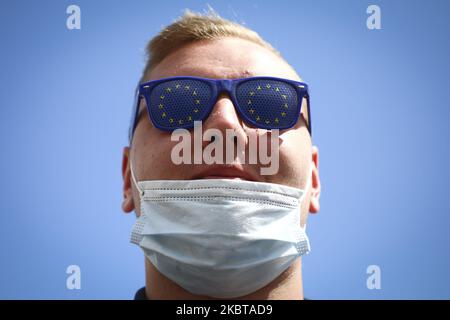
[218,86]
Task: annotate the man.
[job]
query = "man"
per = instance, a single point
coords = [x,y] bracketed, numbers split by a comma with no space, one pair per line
[196,261]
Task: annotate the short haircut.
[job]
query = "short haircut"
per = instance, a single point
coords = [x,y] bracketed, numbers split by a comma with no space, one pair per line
[193,27]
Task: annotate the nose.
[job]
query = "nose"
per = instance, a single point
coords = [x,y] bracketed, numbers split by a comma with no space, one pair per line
[224,116]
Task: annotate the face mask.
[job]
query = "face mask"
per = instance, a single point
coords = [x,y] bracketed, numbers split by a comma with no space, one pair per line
[219,237]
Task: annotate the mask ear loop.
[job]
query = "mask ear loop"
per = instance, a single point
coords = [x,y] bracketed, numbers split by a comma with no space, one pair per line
[308,182]
[133,178]
[307,185]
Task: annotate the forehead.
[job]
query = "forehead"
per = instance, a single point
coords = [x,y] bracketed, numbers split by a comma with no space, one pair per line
[223,58]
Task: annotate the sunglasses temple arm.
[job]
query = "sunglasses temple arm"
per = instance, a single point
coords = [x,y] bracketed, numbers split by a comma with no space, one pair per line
[137,101]
[309,115]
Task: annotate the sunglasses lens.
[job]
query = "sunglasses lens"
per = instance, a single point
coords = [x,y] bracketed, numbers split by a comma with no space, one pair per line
[268,104]
[178,103]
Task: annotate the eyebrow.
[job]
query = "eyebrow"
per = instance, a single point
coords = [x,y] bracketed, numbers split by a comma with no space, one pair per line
[212,75]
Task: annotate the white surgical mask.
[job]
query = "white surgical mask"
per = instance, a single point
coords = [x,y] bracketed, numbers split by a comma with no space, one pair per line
[219,237]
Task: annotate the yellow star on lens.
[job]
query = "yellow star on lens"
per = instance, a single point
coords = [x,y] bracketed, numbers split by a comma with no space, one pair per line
[197,101]
[189,118]
[283,114]
[286,105]
[171,120]
[186,87]
[251,111]
[249,102]
[177,86]
[267,121]
[168,90]
[252,93]
[194,93]
[268,86]
[258,118]
[163,115]
[284,96]
[276,120]
[162,97]
[259,88]
[195,110]
[277,89]
[180,121]
[161,106]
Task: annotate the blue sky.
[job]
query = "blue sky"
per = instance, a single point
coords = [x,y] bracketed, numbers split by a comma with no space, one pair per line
[380,109]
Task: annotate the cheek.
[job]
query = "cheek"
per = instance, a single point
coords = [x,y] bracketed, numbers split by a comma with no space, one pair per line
[152,148]
[294,154]
[158,147]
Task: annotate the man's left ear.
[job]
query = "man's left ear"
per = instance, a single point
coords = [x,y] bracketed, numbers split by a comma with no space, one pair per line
[314,205]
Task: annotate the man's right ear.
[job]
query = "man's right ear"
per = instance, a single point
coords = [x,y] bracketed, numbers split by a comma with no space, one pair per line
[127,203]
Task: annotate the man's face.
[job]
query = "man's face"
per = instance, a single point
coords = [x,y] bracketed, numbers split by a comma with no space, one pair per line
[219,59]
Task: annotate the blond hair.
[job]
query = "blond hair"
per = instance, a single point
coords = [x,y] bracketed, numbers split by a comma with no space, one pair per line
[194,27]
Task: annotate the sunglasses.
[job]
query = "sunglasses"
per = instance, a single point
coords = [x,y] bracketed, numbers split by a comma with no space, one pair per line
[262,102]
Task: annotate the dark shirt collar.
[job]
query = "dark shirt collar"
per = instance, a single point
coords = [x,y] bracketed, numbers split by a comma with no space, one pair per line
[140,294]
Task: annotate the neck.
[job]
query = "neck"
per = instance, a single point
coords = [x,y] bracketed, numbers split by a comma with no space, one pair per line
[287,286]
